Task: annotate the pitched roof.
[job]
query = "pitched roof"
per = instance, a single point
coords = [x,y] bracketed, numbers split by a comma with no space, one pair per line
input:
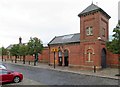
[71,38]
[93,8]
[10,46]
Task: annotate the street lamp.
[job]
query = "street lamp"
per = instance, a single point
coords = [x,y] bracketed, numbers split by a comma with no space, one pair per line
[54,50]
[99,38]
[2,53]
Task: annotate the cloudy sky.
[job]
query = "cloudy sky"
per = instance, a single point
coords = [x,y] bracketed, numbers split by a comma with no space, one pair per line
[119,10]
[46,19]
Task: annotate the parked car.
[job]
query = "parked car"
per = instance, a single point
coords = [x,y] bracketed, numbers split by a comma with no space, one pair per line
[10,76]
[2,66]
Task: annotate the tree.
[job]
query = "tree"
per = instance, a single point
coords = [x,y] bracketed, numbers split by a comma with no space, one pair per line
[23,51]
[3,52]
[114,45]
[15,51]
[35,46]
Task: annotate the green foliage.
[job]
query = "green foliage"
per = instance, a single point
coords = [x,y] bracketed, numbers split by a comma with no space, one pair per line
[0,51]
[34,46]
[114,46]
[15,50]
[22,50]
[3,51]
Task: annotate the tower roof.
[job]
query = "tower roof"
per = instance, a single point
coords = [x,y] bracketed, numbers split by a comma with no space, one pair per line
[93,8]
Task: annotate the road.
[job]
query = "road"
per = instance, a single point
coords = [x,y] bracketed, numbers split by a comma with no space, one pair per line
[52,77]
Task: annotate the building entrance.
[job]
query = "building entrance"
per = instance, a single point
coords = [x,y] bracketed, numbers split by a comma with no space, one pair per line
[66,58]
[103,58]
[60,58]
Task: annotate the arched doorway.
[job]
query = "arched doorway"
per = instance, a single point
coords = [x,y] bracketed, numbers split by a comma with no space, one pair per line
[66,57]
[60,58]
[103,58]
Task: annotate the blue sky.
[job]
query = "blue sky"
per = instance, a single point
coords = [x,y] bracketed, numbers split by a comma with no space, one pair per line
[46,19]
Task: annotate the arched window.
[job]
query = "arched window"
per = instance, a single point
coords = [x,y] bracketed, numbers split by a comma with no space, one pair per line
[89,55]
[60,57]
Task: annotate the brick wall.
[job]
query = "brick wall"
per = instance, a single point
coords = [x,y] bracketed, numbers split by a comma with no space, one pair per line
[45,55]
[112,59]
[74,54]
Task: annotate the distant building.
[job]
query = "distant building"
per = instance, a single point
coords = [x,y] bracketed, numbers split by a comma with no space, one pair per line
[11,45]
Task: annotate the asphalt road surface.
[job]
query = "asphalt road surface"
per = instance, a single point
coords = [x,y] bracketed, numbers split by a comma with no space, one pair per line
[52,77]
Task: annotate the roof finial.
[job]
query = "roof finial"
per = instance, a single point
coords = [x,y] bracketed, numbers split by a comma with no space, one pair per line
[92,1]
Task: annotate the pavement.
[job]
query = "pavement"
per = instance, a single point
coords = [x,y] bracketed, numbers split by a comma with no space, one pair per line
[104,73]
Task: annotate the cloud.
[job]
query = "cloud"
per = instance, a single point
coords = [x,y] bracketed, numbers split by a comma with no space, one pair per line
[44,18]
[119,10]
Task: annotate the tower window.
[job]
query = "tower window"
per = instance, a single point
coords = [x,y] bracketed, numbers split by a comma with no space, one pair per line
[89,31]
[103,32]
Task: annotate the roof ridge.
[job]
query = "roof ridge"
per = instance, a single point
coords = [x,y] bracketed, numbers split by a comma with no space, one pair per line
[93,8]
[89,7]
[67,35]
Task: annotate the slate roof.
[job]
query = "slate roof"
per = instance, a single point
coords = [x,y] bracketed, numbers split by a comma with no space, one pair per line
[92,8]
[65,39]
[10,46]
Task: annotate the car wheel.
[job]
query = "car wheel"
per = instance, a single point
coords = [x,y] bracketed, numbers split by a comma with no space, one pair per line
[16,79]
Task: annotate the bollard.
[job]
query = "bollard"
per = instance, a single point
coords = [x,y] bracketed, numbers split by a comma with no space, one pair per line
[23,62]
[12,61]
[29,62]
[5,59]
[34,63]
[94,69]
[15,61]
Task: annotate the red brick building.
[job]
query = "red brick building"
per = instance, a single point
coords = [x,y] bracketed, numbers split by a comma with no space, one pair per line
[87,48]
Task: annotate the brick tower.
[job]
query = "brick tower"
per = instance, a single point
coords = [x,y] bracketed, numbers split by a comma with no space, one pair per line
[94,24]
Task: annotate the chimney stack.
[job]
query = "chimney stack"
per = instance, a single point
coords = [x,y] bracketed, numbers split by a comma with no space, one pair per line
[20,40]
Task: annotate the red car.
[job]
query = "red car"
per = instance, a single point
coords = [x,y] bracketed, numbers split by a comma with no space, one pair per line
[10,76]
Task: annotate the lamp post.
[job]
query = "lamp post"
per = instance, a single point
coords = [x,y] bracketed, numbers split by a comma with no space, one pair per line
[49,54]
[54,50]
[2,57]
[54,59]
[2,53]
[36,59]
